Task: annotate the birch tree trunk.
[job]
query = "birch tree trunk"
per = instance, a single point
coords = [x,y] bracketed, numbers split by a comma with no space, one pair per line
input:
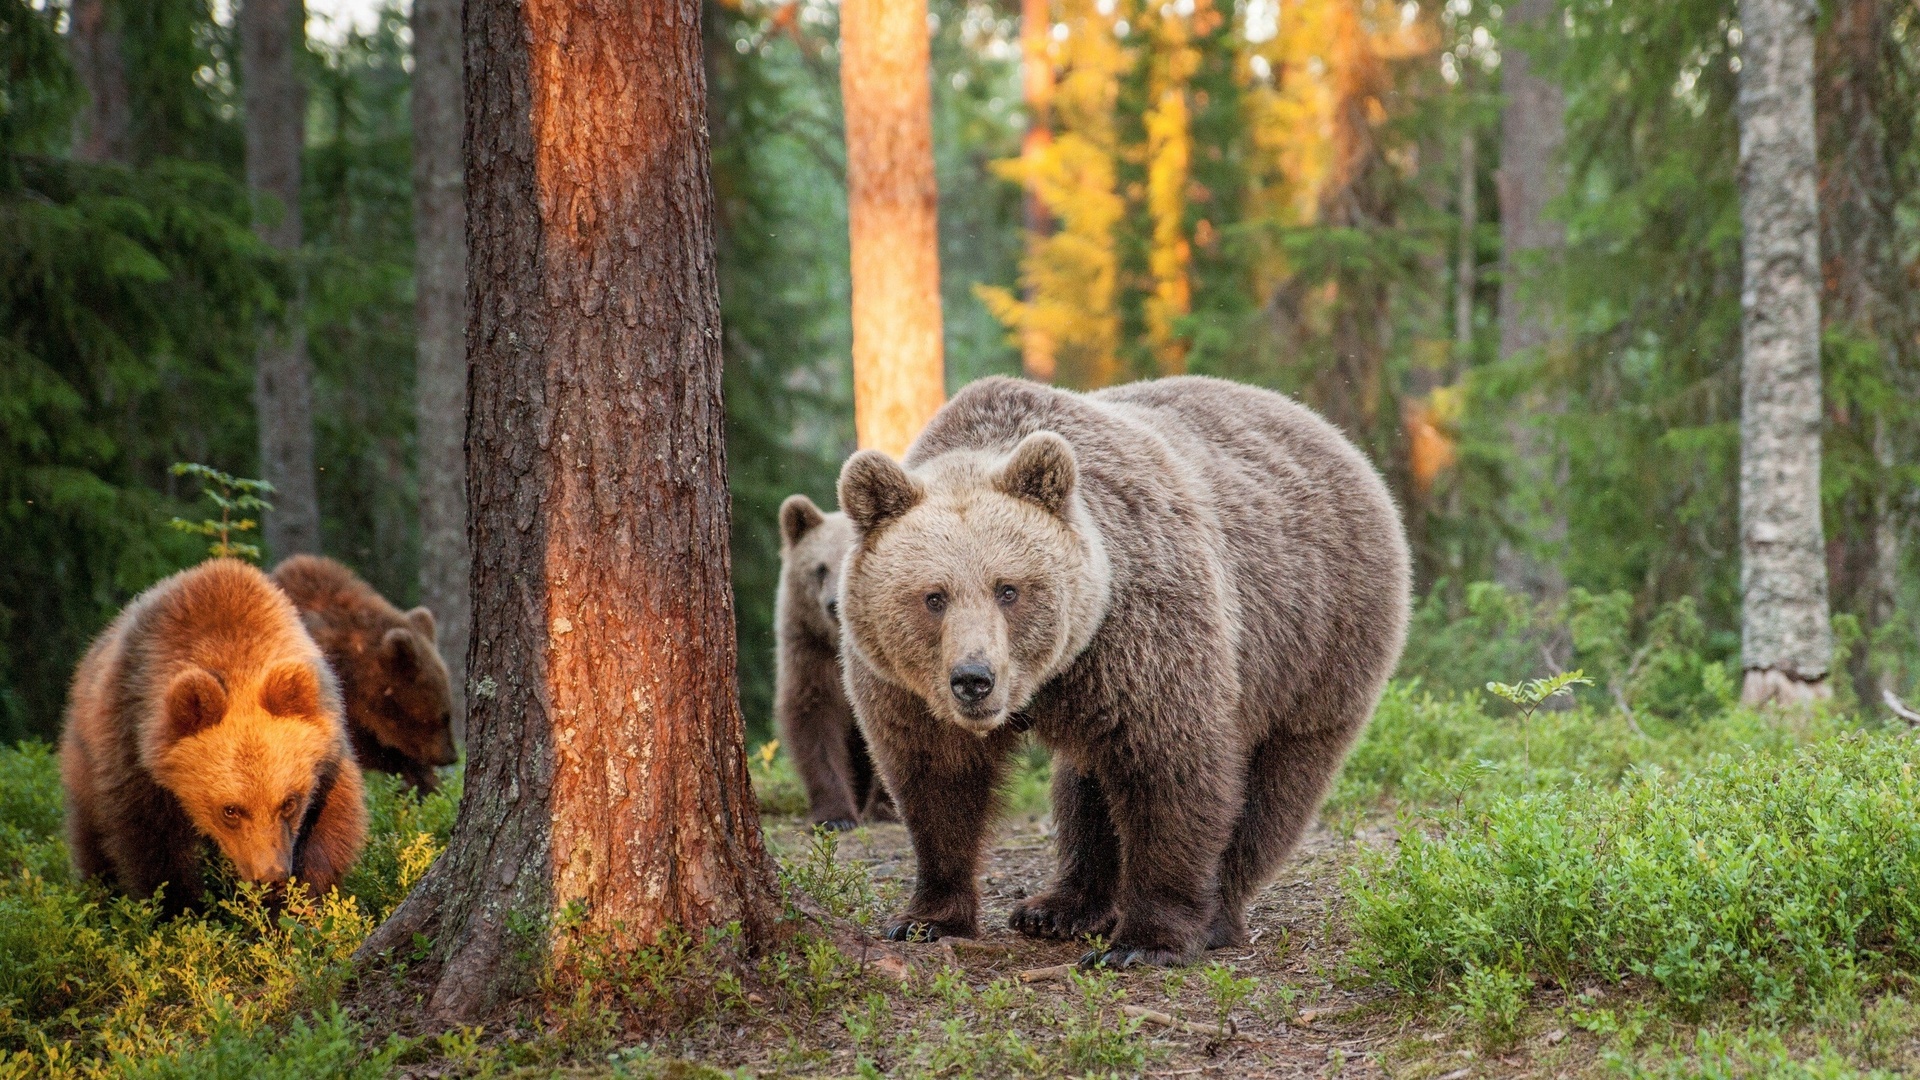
[607,765]
[1786,643]
[440,319]
[1532,133]
[272,36]
[103,127]
[1036,88]
[899,375]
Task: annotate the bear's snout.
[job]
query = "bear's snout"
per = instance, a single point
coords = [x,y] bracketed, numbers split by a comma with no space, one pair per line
[971,682]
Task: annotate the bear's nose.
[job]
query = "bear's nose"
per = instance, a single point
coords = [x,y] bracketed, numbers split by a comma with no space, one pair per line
[971,682]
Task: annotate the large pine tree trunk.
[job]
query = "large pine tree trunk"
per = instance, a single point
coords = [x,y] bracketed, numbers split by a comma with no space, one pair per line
[1532,132]
[607,765]
[440,319]
[1036,89]
[1786,641]
[272,36]
[899,376]
[103,126]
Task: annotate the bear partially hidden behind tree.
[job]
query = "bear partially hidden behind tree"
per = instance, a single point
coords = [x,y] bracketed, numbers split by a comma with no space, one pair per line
[394,682]
[1192,591]
[205,712]
[810,704]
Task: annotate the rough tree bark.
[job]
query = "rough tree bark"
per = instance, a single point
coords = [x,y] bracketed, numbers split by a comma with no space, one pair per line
[899,377]
[103,126]
[272,35]
[607,763]
[1532,132]
[440,319]
[1787,644]
[1036,88]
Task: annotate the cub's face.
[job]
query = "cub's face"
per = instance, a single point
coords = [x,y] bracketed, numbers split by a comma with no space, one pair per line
[974,581]
[813,544]
[246,766]
[414,707]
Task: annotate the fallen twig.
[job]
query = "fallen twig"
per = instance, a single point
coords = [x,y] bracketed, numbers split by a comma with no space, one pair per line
[1191,1027]
[1056,973]
[1899,707]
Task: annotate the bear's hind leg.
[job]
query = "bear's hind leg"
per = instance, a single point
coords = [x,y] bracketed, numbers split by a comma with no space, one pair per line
[1080,900]
[1287,778]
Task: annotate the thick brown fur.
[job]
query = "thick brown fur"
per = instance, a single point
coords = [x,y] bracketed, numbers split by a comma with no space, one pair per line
[394,682]
[1193,591]
[810,700]
[205,712]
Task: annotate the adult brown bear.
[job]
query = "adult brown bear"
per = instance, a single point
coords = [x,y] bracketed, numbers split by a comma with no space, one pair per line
[1192,591]
[205,712]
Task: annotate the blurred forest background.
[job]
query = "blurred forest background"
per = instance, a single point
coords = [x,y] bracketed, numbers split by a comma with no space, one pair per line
[1501,247]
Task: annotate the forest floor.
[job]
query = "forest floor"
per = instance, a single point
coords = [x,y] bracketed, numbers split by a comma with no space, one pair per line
[1003,1004]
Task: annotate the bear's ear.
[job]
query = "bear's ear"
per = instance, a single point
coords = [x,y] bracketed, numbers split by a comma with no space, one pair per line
[195,702]
[875,490]
[798,517]
[1042,471]
[291,689]
[401,651]
[422,620]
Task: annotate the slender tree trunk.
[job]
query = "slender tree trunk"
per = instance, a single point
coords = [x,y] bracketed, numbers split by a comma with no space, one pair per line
[1036,87]
[1787,644]
[272,35]
[1467,265]
[1532,132]
[607,769]
[440,318]
[899,377]
[103,127]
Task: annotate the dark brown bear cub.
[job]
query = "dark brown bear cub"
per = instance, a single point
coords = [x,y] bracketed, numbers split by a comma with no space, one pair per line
[810,703]
[399,708]
[204,711]
[1192,591]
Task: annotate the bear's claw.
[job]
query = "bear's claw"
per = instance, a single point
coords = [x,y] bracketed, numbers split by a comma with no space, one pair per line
[1046,916]
[839,824]
[1121,957]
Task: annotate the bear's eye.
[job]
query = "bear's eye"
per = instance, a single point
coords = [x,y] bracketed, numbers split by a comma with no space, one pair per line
[290,807]
[820,572]
[936,602]
[1007,594]
[232,814]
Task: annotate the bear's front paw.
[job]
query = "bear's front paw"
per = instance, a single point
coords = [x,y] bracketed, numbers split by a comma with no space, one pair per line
[1126,956]
[908,928]
[1061,916]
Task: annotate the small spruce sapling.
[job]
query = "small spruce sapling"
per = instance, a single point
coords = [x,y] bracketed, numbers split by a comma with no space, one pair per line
[235,496]
[1530,695]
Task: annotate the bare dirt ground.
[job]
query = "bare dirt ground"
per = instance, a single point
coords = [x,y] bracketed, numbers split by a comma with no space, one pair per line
[1297,1020]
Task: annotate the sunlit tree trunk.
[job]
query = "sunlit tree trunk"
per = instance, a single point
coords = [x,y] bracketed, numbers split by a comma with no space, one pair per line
[103,126]
[1037,360]
[899,377]
[272,36]
[607,770]
[1786,641]
[440,309]
[1169,133]
[1532,132]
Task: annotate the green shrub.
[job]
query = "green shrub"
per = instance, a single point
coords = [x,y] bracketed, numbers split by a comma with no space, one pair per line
[1779,876]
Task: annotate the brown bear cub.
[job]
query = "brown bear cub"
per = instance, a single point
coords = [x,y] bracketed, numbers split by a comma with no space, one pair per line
[1192,591]
[810,702]
[204,711]
[399,704]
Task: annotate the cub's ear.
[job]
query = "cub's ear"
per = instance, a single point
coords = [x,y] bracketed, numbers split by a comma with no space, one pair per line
[195,702]
[798,517]
[875,490]
[291,689]
[422,620]
[400,648]
[1042,471]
